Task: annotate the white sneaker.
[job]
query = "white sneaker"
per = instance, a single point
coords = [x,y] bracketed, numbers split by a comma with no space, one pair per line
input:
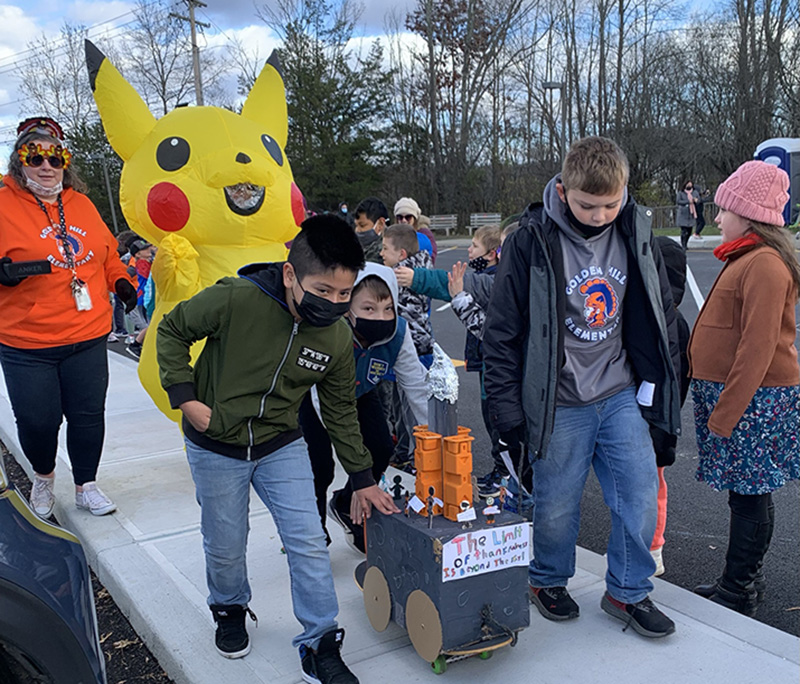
[42,497]
[93,500]
[659,559]
[112,337]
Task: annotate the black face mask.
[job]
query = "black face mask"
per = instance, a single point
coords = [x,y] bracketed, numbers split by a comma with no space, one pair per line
[367,237]
[479,264]
[372,331]
[585,230]
[318,311]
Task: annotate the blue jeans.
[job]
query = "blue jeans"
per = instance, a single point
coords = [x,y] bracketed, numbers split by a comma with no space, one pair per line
[283,481]
[611,436]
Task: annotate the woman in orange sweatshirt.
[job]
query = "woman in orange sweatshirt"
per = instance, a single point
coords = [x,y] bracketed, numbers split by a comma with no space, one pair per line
[54,325]
[745,375]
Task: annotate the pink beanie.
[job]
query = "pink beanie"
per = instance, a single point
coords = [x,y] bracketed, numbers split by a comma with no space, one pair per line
[757,191]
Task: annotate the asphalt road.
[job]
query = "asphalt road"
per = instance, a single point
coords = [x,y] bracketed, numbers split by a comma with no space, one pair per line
[697,521]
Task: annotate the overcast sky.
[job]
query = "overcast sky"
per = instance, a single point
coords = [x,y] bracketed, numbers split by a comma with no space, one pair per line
[22,22]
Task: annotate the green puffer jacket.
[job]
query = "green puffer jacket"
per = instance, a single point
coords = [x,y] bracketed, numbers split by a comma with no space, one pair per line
[257,365]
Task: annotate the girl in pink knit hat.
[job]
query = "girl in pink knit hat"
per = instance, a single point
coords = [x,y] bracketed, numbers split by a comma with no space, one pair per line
[745,374]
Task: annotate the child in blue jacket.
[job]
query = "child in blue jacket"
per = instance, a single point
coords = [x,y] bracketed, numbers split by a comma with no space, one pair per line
[382,343]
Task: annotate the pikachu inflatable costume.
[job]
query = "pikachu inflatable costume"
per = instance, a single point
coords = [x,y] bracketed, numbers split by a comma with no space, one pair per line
[211,188]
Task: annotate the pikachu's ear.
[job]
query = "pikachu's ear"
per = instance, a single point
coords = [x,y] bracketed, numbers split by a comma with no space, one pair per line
[266,102]
[125,116]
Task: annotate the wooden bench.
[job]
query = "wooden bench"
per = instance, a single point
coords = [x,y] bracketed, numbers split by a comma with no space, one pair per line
[478,220]
[445,222]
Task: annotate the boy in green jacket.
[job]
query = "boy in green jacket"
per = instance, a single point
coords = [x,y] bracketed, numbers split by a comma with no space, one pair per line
[271,334]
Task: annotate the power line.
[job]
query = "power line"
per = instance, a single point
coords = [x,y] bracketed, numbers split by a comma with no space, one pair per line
[57,52]
[88,28]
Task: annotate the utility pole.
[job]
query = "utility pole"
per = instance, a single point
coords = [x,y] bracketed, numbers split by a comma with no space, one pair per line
[198,83]
[561,86]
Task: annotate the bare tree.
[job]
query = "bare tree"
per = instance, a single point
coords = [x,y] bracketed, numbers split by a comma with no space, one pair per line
[53,79]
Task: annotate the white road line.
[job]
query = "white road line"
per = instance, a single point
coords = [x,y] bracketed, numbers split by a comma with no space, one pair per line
[444,308]
[692,283]
[449,249]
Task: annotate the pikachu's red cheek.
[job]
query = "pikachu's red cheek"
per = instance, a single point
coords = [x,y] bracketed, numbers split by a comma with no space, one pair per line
[168,207]
[298,208]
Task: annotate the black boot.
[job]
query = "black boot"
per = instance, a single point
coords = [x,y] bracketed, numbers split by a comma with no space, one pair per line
[743,602]
[759,581]
[748,541]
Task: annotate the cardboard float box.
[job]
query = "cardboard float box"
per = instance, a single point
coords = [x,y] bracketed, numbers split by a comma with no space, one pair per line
[456,591]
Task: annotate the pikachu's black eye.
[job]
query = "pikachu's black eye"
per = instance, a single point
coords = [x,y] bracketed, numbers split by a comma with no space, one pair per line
[172,153]
[273,148]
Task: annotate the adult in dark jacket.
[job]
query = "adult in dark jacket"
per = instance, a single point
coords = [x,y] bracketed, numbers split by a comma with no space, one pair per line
[581,314]
[343,213]
[686,216]
[704,197]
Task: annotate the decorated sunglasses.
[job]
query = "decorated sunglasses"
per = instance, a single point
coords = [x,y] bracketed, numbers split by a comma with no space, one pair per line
[33,154]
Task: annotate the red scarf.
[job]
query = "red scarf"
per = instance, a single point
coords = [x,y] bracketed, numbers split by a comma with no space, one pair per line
[744,244]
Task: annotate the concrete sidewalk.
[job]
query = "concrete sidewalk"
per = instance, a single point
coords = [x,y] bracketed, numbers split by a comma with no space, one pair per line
[149,557]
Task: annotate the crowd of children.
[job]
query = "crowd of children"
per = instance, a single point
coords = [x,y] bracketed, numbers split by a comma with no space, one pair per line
[131,327]
[571,321]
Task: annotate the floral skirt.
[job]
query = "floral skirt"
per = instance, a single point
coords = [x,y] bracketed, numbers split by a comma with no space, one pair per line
[763,451]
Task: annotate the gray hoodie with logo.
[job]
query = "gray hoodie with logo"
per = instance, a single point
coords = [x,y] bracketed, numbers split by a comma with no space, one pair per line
[595,269]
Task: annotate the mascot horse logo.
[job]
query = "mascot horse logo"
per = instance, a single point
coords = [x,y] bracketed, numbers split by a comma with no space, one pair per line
[601,302]
[211,188]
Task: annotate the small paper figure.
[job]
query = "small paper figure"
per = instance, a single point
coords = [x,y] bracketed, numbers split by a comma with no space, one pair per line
[408,503]
[490,511]
[397,488]
[466,515]
[431,502]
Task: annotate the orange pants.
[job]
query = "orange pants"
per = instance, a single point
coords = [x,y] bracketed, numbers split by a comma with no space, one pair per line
[661,520]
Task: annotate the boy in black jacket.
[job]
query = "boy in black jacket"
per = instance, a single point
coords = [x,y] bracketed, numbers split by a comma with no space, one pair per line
[578,345]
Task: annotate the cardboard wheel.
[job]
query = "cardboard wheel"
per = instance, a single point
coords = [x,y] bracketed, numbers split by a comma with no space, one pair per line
[377,599]
[423,625]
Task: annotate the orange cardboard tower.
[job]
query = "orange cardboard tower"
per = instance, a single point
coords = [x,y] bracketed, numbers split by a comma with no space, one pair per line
[443,454]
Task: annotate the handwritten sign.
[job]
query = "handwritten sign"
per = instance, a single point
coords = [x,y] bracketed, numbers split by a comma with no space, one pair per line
[480,551]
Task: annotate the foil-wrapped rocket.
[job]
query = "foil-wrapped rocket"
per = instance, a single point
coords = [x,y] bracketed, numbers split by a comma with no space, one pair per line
[442,394]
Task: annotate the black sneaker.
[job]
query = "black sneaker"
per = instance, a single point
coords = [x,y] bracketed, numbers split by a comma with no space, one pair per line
[231,638]
[489,484]
[134,349]
[325,666]
[554,603]
[353,533]
[643,616]
[487,489]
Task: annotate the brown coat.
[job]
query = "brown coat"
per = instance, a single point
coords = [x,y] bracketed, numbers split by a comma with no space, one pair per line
[744,334]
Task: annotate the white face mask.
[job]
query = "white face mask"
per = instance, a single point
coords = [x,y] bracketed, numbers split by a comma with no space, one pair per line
[39,189]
